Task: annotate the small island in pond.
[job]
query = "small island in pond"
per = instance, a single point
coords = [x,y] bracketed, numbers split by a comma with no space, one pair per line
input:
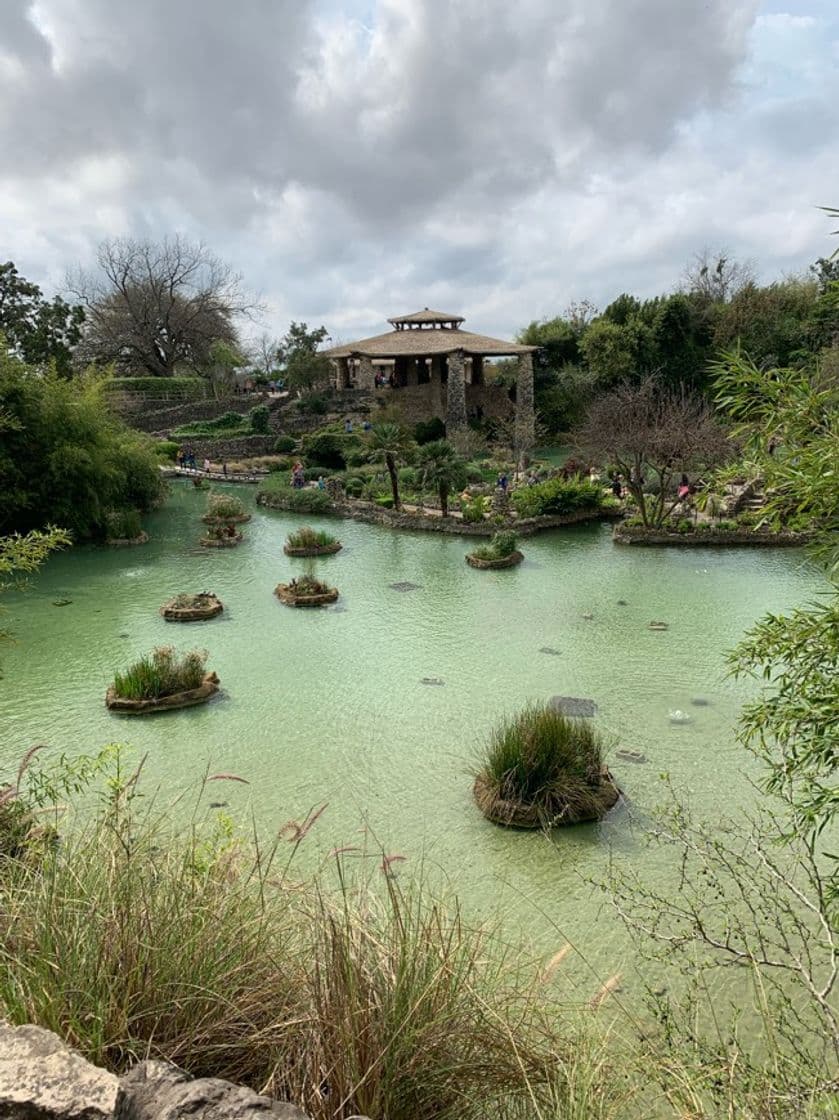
[311,542]
[192,608]
[161,682]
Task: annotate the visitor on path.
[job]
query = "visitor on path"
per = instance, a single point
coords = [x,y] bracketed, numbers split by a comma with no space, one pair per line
[206,466]
[367,426]
[224,468]
[593,474]
[684,488]
[617,486]
[297,476]
[348,425]
[321,483]
[503,483]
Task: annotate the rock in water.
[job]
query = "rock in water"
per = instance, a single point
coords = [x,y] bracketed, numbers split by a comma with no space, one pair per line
[631,756]
[432,680]
[41,1078]
[405,585]
[550,650]
[574,706]
[700,702]
[156,1090]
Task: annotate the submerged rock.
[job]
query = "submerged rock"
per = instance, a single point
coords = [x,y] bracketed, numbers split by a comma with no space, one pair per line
[622,603]
[631,756]
[700,702]
[41,1078]
[678,716]
[405,585]
[550,649]
[61,602]
[432,680]
[574,706]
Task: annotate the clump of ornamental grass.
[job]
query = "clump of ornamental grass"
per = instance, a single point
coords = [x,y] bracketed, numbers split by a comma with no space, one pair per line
[224,507]
[502,545]
[355,997]
[310,538]
[542,767]
[161,673]
[123,524]
[308,585]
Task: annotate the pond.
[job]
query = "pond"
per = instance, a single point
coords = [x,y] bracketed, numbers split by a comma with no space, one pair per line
[334,707]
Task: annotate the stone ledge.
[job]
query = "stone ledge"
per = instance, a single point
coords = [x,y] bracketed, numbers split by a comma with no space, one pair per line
[517,814]
[510,561]
[719,539]
[172,613]
[221,542]
[319,550]
[286,594]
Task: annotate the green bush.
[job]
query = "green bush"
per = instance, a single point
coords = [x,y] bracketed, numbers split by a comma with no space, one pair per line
[408,476]
[223,507]
[354,485]
[282,444]
[161,674]
[427,431]
[384,500]
[726,525]
[329,448]
[502,545]
[123,524]
[166,449]
[472,511]
[187,388]
[314,403]
[228,424]
[309,501]
[684,525]
[310,538]
[557,497]
[258,418]
[543,759]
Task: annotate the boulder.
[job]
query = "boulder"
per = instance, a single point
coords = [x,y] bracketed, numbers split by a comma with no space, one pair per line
[575,706]
[41,1078]
[156,1090]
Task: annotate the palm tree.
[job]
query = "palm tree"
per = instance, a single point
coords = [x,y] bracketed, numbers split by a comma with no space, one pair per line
[443,469]
[386,443]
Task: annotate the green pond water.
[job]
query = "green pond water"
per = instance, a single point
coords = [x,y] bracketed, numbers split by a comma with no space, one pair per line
[329,706]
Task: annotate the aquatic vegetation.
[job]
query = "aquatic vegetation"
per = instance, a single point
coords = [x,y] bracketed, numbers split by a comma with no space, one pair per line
[123,524]
[308,538]
[541,766]
[161,673]
[502,545]
[224,507]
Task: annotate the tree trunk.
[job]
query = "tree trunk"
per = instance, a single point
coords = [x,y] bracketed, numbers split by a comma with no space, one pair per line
[390,463]
[444,499]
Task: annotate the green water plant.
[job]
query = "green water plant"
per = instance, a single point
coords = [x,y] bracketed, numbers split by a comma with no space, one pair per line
[502,545]
[541,768]
[161,673]
[224,507]
[308,541]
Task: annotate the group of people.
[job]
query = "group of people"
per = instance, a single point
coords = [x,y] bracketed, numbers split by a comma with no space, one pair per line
[298,478]
[185,458]
[348,427]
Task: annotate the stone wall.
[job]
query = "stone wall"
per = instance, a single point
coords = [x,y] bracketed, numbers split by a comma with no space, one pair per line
[164,419]
[710,538]
[237,447]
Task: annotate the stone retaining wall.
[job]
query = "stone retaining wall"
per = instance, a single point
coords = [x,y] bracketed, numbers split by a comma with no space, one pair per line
[237,447]
[720,539]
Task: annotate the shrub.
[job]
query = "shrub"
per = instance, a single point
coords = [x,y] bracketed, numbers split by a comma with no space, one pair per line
[408,476]
[165,449]
[282,444]
[123,524]
[327,448]
[228,424]
[354,485]
[161,674]
[309,500]
[557,496]
[726,525]
[310,538]
[427,431]
[384,500]
[472,510]
[502,545]
[223,507]
[313,403]
[683,525]
[547,761]
[258,418]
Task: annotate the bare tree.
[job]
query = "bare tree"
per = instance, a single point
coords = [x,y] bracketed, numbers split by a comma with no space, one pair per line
[153,307]
[649,430]
[264,353]
[717,276]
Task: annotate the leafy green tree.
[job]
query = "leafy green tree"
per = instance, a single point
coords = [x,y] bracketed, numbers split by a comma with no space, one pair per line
[771,324]
[64,458]
[37,330]
[303,367]
[615,352]
[389,443]
[443,469]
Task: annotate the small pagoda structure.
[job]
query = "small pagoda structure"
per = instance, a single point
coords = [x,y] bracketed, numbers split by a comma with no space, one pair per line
[431,348]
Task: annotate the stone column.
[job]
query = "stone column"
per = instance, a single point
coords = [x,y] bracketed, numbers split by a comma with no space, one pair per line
[366,373]
[342,373]
[456,396]
[435,393]
[412,376]
[477,370]
[525,414]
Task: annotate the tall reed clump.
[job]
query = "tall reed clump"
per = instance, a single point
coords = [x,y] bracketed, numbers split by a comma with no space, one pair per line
[311,538]
[123,524]
[133,940]
[161,673]
[502,545]
[542,767]
[224,507]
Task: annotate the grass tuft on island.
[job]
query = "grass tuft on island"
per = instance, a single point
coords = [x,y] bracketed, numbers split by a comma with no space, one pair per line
[306,591]
[225,508]
[311,542]
[161,673]
[541,768]
[501,552]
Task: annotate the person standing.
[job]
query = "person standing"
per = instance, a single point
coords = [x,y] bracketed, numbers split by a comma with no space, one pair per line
[617,486]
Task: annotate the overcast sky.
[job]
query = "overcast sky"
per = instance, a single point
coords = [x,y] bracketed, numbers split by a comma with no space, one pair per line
[356,159]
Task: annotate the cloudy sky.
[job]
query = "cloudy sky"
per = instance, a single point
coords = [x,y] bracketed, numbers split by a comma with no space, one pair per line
[360,158]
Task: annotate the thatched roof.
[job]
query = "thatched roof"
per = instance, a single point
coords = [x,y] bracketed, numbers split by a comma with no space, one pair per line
[423,342]
[426,316]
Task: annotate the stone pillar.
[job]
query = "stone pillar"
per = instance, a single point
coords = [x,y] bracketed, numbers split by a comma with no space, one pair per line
[412,373]
[366,373]
[435,394]
[400,370]
[477,370]
[456,396]
[525,414]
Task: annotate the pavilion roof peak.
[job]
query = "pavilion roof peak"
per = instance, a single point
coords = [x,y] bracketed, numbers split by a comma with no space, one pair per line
[426,318]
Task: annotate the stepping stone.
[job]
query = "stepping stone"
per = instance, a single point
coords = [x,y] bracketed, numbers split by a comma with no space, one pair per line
[631,756]
[219,804]
[700,702]
[432,680]
[588,616]
[622,603]
[678,716]
[550,650]
[659,626]
[574,706]
[405,585]
[61,602]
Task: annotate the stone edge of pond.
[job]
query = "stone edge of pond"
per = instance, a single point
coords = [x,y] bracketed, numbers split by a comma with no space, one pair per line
[516,814]
[186,699]
[376,515]
[510,561]
[722,539]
